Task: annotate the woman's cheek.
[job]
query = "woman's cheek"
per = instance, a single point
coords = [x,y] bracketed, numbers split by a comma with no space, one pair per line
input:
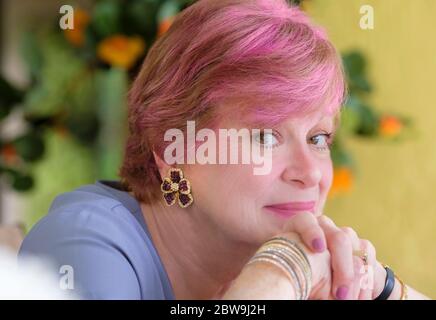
[231,184]
[259,187]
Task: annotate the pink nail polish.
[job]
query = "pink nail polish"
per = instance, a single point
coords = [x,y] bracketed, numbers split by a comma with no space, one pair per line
[342,292]
[318,245]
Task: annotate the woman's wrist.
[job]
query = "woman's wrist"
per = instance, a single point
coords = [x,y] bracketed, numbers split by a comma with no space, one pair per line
[274,277]
[260,280]
[379,284]
[380,275]
[286,255]
[396,292]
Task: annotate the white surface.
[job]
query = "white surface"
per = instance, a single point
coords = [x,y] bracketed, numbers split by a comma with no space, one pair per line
[29,281]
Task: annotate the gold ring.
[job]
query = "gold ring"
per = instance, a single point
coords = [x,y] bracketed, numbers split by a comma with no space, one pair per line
[362,255]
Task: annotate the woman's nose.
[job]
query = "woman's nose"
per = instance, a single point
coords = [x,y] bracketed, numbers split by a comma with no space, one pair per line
[303,170]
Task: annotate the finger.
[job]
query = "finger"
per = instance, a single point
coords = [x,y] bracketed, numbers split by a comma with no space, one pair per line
[359,268]
[353,237]
[367,281]
[307,226]
[376,269]
[320,266]
[321,291]
[341,250]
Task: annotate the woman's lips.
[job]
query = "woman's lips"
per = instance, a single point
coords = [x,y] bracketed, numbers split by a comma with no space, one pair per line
[290,209]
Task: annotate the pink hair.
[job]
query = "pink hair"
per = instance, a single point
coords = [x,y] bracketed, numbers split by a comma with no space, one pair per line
[262,59]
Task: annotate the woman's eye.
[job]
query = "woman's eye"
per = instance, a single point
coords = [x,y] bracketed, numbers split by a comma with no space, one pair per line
[267,139]
[321,141]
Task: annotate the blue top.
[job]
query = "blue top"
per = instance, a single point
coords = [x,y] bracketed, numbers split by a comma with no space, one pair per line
[98,231]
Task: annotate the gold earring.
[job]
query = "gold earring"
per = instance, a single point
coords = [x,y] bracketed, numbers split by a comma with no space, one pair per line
[175,187]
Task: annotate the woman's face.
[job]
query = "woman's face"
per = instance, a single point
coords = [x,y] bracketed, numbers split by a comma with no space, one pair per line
[251,208]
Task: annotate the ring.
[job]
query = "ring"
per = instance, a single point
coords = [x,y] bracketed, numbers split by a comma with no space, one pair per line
[362,255]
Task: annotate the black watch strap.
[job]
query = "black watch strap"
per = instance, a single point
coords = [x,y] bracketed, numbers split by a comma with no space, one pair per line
[389,285]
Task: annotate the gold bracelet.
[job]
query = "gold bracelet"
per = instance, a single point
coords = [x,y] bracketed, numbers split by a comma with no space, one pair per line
[296,258]
[302,270]
[294,265]
[403,289]
[281,265]
[292,254]
[292,246]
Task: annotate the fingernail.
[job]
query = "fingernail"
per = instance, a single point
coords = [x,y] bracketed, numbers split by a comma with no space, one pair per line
[318,245]
[341,293]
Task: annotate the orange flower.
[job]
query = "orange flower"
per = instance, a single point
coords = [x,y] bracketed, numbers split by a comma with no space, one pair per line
[121,51]
[9,154]
[390,126]
[165,25]
[76,36]
[342,181]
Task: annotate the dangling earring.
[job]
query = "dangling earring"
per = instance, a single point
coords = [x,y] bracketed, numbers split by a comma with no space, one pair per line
[175,187]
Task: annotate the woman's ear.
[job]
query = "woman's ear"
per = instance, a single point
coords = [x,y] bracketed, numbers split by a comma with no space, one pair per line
[162,166]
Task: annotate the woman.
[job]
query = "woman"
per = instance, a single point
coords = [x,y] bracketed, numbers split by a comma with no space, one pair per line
[183,227]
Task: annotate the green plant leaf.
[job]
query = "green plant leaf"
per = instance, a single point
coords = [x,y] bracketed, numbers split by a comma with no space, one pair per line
[22,182]
[349,120]
[140,18]
[368,122]
[31,54]
[61,72]
[30,147]
[112,88]
[340,156]
[354,63]
[168,9]
[106,17]
[9,96]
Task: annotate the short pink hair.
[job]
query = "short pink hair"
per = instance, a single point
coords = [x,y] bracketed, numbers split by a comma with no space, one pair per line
[262,59]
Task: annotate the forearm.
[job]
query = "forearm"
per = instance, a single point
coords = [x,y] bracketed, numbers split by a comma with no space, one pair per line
[412,294]
[396,294]
[261,281]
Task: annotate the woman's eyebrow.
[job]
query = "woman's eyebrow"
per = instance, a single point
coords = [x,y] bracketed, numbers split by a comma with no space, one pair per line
[327,125]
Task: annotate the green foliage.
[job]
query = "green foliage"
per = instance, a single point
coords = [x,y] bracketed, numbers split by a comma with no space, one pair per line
[112,87]
[67,164]
[358,118]
[106,17]
[76,92]
[9,96]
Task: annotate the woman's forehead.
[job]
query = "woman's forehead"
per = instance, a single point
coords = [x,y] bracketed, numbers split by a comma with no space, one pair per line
[261,113]
[316,117]
[310,120]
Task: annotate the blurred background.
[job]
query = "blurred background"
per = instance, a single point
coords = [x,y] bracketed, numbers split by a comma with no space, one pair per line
[63,112]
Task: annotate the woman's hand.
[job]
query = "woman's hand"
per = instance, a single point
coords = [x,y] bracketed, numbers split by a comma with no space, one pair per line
[330,253]
[262,280]
[369,280]
[318,235]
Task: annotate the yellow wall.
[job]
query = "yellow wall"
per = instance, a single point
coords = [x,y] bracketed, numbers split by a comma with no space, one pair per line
[392,202]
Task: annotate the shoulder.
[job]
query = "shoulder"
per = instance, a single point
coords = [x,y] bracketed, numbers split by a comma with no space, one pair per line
[96,235]
[88,212]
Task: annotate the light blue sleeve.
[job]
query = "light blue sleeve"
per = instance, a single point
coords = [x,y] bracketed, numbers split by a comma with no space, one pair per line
[102,247]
